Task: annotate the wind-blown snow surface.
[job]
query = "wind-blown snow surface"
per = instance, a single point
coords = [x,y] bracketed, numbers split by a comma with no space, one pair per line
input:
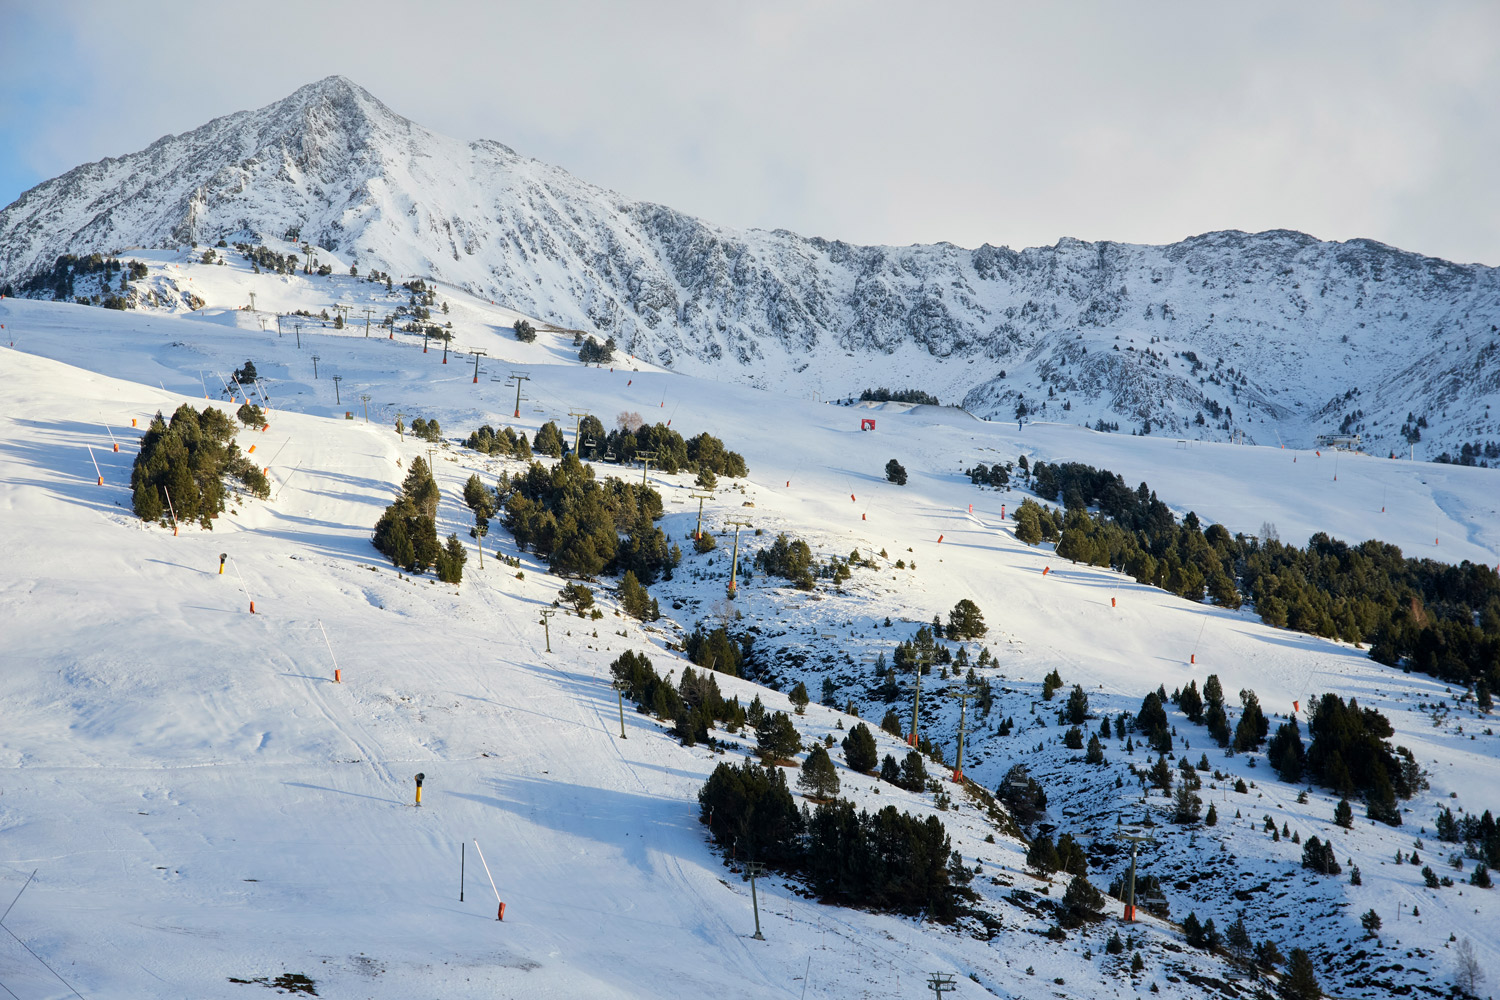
[1270,334]
[202,802]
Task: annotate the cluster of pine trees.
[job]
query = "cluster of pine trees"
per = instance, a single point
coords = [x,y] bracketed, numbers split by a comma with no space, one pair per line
[883,395]
[406,533]
[1348,753]
[182,465]
[591,352]
[504,442]
[996,475]
[1480,835]
[789,558]
[263,258]
[567,516]
[1432,617]
[694,705]
[888,860]
[57,281]
[718,651]
[670,451]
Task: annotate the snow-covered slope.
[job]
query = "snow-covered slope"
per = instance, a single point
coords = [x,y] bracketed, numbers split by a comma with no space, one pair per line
[1272,335]
[203,804]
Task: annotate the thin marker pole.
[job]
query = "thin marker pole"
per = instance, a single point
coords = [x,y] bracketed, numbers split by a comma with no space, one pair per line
[171,508]
[338,675]
[243,587]
[96,465]
[111,436]
[501,913]
[462,851]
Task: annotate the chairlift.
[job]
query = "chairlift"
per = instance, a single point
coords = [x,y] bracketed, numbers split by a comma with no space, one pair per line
[609,454]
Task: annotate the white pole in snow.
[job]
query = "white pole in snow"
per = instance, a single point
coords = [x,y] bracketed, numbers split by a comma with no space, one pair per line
[244,588]
[338,675]
[487,875]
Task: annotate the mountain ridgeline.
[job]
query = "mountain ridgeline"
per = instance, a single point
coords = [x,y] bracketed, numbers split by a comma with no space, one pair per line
[1222,335]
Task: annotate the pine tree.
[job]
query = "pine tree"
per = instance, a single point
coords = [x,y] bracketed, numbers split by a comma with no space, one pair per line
[1188,806]
[1343,814]
[1286,753]
[1212,819]
[913,772]
[895,473]
[1095,754]
[634,599]
[799,698]
[891,723]
[1050,684]
[1300,981]
[819,778]
[1251,731]
[1082,901]
[1161,774]
[1042,855]
[1191,703]
[860,753]
[776,738]
[450,561]
[890,771]
[1028,524]
[965,621]
[1077,708]
[549,440]
[1237,938]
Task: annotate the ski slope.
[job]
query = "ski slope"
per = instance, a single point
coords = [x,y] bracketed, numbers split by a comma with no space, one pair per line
[201,802]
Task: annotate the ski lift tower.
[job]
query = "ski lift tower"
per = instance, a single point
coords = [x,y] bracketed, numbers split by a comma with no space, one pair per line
[518,378]
[734,560]
[1136,840]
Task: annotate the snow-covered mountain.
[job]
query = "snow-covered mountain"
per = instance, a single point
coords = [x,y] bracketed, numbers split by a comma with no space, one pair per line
[1269,335]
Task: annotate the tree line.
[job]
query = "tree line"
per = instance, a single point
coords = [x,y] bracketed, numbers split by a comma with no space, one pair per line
[1432,617]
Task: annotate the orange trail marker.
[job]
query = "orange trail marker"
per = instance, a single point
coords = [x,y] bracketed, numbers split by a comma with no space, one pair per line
[1046,570]
[96,466]
[851,497]
[940,539]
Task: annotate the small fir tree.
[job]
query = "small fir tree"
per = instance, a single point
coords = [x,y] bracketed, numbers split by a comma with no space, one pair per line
[1300,981]
[819,778]
[799,698]
[776,738]
[860,753]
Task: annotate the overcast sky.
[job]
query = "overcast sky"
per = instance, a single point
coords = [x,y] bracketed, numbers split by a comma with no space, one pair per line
[890,123]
